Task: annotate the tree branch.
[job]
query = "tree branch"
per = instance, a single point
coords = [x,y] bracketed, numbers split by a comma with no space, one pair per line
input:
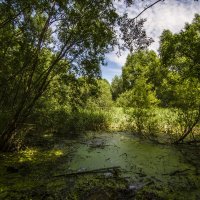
[151,5]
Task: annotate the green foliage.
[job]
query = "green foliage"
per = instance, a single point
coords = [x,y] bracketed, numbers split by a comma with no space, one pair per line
[93,120]
[64,122]
[138,103]
[139,96]
[51,54]
[81,106]
[116,87]
[40,39]
[170,81]
[103,97]
[180,52]
[180,88]
[187,100]
[143,63]
[33,52]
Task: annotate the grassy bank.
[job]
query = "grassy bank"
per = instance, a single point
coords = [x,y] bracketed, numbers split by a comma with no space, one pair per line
[159,124]
[162,124]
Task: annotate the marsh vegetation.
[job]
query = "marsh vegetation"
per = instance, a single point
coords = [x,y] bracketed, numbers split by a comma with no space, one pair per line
[67,133]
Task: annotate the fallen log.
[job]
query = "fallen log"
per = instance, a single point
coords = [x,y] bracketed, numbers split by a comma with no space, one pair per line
[192,142]
[177,172]
[113,170]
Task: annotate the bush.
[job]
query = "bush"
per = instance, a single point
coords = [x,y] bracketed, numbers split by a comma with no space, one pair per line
[92,120]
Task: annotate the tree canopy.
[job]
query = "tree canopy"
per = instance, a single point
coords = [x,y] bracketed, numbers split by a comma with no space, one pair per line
[40,39]
[62,44]
[170,79]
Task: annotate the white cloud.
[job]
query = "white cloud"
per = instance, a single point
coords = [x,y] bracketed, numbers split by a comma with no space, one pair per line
[116,58]
[170,14]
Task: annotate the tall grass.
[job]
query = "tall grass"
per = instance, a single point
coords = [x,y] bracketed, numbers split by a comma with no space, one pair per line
[160,123]
[92,120]
[66,121]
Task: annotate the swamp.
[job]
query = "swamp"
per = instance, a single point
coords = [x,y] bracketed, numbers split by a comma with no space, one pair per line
[72,128]
[100,165]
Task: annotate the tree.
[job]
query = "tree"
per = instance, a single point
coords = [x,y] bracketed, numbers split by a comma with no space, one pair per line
[180,88]
[187,100]
[138,103]
[181,51]
[140,77]
[143,63]
[40,38]
[116,87]
[104,96]
[36,37]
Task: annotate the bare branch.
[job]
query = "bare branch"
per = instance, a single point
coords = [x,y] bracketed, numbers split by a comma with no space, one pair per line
[151,5]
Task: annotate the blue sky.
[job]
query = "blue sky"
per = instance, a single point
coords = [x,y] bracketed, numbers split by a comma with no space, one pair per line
[170,14]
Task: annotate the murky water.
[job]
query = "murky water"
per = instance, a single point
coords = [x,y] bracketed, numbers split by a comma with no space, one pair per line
[141,161]
[166,171]
[130,154]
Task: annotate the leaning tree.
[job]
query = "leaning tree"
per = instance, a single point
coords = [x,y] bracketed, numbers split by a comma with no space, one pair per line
[40,38]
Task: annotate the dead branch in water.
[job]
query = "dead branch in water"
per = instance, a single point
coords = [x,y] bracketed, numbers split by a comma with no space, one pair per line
[113,170]
[177,172]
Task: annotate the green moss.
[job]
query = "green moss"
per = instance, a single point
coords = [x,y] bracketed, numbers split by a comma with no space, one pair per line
[33,168]
[142,161]
[165,193]
[86,185]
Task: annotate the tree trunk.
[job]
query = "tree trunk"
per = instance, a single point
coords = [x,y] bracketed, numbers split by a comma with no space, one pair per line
[7,139]
[6,143]
[186,133]
[188,130]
